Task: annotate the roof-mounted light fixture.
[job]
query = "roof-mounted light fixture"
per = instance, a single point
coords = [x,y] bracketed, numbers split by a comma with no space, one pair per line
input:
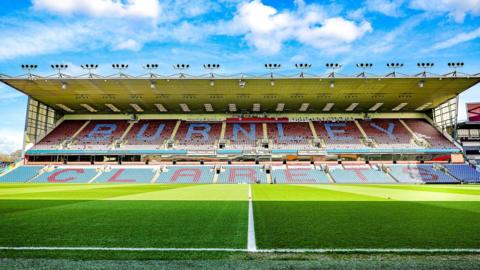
[363,67]
[120,68]
[394,67]
[181,67]
[455,66]
[242,82]
[160,107]
[302,67]
[332,67]
[28,69]
[399,106]
[304,107]
[151,68]
[208,107]
[211,68]
[65,108]
[90,68]
[59,68]
[88,108]
[272,67]
[424,66]
[280,107]
[112,107]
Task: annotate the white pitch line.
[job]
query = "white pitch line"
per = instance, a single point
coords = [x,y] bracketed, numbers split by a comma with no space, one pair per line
[293,250]
[251,242]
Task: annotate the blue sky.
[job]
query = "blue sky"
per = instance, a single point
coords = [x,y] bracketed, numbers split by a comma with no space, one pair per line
[241,35]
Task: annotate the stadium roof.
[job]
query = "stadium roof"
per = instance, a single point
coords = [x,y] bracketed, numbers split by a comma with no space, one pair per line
[241,94]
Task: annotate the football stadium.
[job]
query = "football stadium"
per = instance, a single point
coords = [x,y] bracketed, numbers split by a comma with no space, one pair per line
[156,165]
[312,164]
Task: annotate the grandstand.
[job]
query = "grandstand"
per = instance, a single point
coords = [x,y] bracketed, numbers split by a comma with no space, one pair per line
[187,167]
[191,129]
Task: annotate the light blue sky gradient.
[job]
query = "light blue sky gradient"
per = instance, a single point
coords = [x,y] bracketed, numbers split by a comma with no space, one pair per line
[240,35]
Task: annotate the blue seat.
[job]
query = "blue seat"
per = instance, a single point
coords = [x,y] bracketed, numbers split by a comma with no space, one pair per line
[464,172]
[186,175]
[67,175]
[126,175]
[299,176]
[361,176]
[242,174]
[21,174]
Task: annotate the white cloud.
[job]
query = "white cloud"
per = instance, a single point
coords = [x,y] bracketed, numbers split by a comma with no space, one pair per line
[37,38]
[267,29]
[456,9]
[10,140]
[102,8]
[129,44]
[455,40]
[386,7]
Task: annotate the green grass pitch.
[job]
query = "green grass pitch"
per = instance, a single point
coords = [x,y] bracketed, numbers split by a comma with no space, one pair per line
[216,216]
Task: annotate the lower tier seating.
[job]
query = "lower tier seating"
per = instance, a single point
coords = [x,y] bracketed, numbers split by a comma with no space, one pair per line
[464,172]
[298,175]
[67,175]
[131,175]
[186,175]
[242,174]
[20,174]
[419,174]
[360,176]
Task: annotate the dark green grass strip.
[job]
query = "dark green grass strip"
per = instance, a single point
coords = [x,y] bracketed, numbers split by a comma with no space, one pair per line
[281,224]
[124,223]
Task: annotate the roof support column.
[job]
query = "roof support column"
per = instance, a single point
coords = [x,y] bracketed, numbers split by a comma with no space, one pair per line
[222,132]
[312,129]
[265,132]
[364,134]
[174,132]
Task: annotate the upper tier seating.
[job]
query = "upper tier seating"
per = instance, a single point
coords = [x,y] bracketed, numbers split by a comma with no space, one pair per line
[424,173]
[67,175]
[290,135]
[464,172]
[149,134]
[203,135]
[64,131]
[198,135]
[425,130]
[388,133]
[21,174]
[242,174]
[126,175]
[243,136]
[298,175]
[360,176]
[186,175]
[99,134]
[339,135]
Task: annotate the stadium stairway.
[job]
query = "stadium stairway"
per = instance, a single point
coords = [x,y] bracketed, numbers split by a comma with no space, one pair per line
[99,172]
[156,175]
